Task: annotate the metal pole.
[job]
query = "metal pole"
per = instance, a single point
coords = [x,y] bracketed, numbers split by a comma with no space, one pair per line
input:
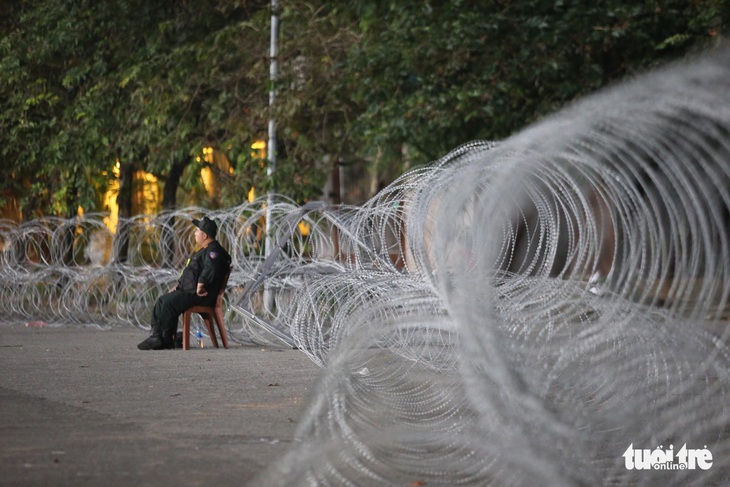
[271,146]
[273,74]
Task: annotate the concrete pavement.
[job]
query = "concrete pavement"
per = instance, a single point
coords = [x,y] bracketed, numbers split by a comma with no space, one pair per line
[84,407]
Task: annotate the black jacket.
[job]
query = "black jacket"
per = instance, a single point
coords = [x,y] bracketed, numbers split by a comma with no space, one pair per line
[207,266]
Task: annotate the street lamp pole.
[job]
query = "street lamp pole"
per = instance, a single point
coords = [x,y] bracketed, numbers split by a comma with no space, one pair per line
[271,146]
[273,74]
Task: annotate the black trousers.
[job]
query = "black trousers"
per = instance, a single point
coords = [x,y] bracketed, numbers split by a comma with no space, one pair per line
[168,309]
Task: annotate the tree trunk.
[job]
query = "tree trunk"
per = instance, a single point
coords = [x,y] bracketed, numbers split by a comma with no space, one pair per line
[336,198]
[69,228]
[124,202]
[169,203]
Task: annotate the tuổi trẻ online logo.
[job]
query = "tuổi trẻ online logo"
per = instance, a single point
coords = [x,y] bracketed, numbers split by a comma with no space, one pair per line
[660,459]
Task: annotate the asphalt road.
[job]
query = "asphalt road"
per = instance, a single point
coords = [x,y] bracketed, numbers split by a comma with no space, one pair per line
[84,407]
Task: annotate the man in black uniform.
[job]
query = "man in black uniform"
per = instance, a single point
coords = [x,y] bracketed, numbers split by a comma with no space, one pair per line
[199,284]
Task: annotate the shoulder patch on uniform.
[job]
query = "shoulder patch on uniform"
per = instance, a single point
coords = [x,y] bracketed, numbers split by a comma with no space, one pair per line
[213,255]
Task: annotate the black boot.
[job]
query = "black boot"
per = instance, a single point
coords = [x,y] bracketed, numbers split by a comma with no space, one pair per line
[168,340]
[157,342]
[154,342]
[177,339]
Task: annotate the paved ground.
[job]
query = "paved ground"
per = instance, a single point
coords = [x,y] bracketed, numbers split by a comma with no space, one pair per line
[84,407]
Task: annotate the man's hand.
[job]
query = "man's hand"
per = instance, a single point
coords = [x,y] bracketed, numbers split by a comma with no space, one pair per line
[200,291]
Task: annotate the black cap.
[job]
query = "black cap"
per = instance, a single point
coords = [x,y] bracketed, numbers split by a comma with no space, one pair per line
[207,225]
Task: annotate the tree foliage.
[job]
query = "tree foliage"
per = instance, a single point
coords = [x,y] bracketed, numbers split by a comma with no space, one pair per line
[86,84]
[429,76]
[378,84]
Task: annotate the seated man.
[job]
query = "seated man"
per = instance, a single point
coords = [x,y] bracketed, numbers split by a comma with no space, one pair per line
[199,284]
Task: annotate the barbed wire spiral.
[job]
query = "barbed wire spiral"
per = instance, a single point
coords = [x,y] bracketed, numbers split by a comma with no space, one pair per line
[518,313]
[565,298]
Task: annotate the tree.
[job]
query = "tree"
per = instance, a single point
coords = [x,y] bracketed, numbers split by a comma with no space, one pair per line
[55,68]
[432,77]
[87,83]
[389,85]
[378,84]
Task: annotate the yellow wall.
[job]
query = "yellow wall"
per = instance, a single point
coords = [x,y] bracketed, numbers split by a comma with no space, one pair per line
[147,196]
